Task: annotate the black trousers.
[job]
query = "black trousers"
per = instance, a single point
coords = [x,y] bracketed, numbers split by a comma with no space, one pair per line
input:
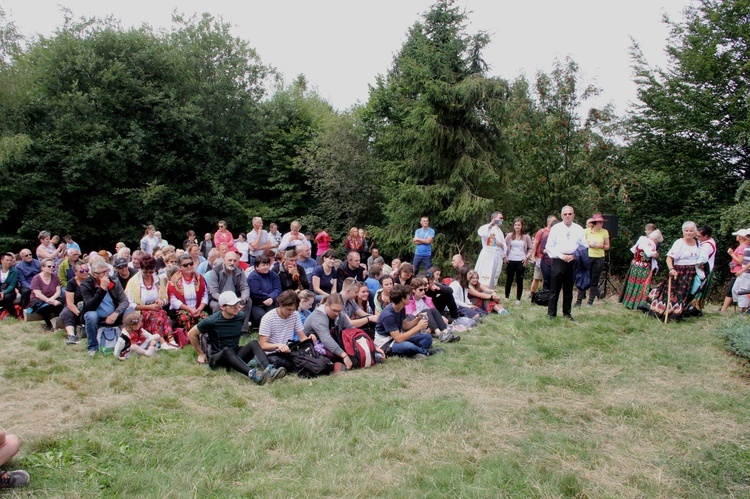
[595,271]
[515,271]
[443,299]
[562,278]
[237,360]
[8,303]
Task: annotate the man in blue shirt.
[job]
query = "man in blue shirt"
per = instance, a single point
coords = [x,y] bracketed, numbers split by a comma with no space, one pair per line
[396,334]
[27,268]
[423,238]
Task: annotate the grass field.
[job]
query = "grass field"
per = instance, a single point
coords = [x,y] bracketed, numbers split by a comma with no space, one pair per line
[615,405]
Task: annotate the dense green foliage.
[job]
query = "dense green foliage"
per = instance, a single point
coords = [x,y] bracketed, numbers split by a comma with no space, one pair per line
[690,130]
[737,335]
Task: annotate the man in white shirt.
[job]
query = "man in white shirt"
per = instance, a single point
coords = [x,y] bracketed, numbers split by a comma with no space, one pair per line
[562,243]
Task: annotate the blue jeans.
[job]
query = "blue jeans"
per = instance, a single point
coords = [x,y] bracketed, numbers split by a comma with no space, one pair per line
[419,343]
[91,321]
[419,260]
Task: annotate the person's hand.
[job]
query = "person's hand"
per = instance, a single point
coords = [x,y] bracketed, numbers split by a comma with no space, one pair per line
[423,324]
[284,348]
[56,303]
[347,362]
[104,282]
[267,302]
[656,254]
[111,318]
[76,312]
[313,338]
[202,358]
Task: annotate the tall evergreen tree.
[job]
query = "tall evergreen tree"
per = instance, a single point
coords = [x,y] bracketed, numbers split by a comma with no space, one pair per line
[432,120]
[691,129]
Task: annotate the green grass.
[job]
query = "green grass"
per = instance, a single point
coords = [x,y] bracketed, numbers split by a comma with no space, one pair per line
[616,405]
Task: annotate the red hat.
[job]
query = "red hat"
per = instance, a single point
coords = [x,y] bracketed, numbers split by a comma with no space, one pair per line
[597,217]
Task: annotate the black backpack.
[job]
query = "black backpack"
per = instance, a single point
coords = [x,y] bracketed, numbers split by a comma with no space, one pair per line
[541,298]
[308,362]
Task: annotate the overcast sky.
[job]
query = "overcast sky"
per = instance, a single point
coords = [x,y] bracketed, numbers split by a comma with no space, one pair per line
[341,45]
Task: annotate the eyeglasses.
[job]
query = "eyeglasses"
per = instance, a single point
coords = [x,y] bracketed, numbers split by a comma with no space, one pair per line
[99,273]
[421,289]
[83,271]
[335,310]
[190,264]
[567,214]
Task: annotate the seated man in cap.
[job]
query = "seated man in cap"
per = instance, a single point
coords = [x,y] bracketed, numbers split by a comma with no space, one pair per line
[224,330]
[123,273]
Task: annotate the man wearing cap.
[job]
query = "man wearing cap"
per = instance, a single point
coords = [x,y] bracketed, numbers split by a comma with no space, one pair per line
[224,330]
[597,238]
[122,272]
[227,276]
[562,243]
[65,271]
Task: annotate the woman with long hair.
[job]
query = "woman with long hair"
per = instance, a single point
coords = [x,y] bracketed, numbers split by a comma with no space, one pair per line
[383,295]
[460,287]
[482,296]
[324,275]
[518,253]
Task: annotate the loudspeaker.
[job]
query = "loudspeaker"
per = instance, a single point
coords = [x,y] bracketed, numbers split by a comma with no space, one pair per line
[612,224]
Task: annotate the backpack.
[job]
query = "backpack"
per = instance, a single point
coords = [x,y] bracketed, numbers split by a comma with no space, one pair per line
[359,347]
[107,338]
[541,298]
[308,362]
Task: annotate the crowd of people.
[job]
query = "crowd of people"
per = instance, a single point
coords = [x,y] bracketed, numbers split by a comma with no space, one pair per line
[209,294]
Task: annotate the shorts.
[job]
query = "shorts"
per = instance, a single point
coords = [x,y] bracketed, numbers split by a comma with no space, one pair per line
[538,273]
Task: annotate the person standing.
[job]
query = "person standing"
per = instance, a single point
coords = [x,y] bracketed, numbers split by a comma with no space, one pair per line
[519,251]
[562,243]
[423,238]
[597,238]
[538,254]
[490,261]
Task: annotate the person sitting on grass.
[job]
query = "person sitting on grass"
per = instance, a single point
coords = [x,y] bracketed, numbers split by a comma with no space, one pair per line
[419,303]
[482,296]
[141,341]
[9,445]
[306,300]
[278,327]
[224,330]
[396,335]
[360,318]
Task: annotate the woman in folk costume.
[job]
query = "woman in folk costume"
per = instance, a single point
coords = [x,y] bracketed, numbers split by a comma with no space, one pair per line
[674,293]
[490,261]
[639,273]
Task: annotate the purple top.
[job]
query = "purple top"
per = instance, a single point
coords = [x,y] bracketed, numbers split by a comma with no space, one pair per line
[47,289]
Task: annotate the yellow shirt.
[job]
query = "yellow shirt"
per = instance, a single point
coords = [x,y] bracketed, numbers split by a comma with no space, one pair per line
[598,239]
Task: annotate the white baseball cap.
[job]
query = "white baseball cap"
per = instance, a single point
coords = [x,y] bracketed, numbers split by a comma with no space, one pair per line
[228,298]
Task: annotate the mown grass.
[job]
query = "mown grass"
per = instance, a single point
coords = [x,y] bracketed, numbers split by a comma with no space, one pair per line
[615,405]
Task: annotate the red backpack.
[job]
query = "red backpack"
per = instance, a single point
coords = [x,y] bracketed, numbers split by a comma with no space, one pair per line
[359,347]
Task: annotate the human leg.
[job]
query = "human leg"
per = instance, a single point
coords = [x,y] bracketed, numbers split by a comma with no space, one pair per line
[9,445]
[556,284]
[597,266]
[91,322]
[520,273]
[568,281]
[412,346]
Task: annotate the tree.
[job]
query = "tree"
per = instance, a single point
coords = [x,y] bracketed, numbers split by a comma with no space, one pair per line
[343,178]
[690,130]
[558,158]
[432,122]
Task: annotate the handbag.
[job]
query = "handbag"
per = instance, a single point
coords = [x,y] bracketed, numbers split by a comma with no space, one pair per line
[308,362]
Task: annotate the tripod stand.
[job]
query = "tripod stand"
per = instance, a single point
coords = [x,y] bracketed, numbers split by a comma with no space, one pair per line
[605,280]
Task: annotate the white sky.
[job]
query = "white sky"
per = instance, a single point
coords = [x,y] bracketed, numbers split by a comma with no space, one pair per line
[341,45]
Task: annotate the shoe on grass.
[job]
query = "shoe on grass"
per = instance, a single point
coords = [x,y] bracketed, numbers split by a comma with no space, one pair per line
[71,339]
[258,377]
[91,353]
[435,351]
[503,311]
[13,479]
[273,373]
[419,356]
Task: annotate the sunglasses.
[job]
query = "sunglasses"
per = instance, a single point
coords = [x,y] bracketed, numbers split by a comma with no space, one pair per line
[83,271]
[421,289]
[187,264]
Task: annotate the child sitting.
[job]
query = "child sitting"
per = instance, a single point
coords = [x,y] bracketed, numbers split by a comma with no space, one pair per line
[134,338]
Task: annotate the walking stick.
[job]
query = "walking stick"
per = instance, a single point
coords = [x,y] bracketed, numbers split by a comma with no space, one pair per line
[669,300]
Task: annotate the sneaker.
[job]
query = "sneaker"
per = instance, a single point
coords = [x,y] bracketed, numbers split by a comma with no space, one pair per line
[435,351]
[13,479]
[273,373]
[258,377]
[167,346]
[570,318]
[503,311]
[71,340]
[419,356]
[4,314]
[518,302]
[28,311]
[92,353]
[447,337]
[577,304]
[338,367]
